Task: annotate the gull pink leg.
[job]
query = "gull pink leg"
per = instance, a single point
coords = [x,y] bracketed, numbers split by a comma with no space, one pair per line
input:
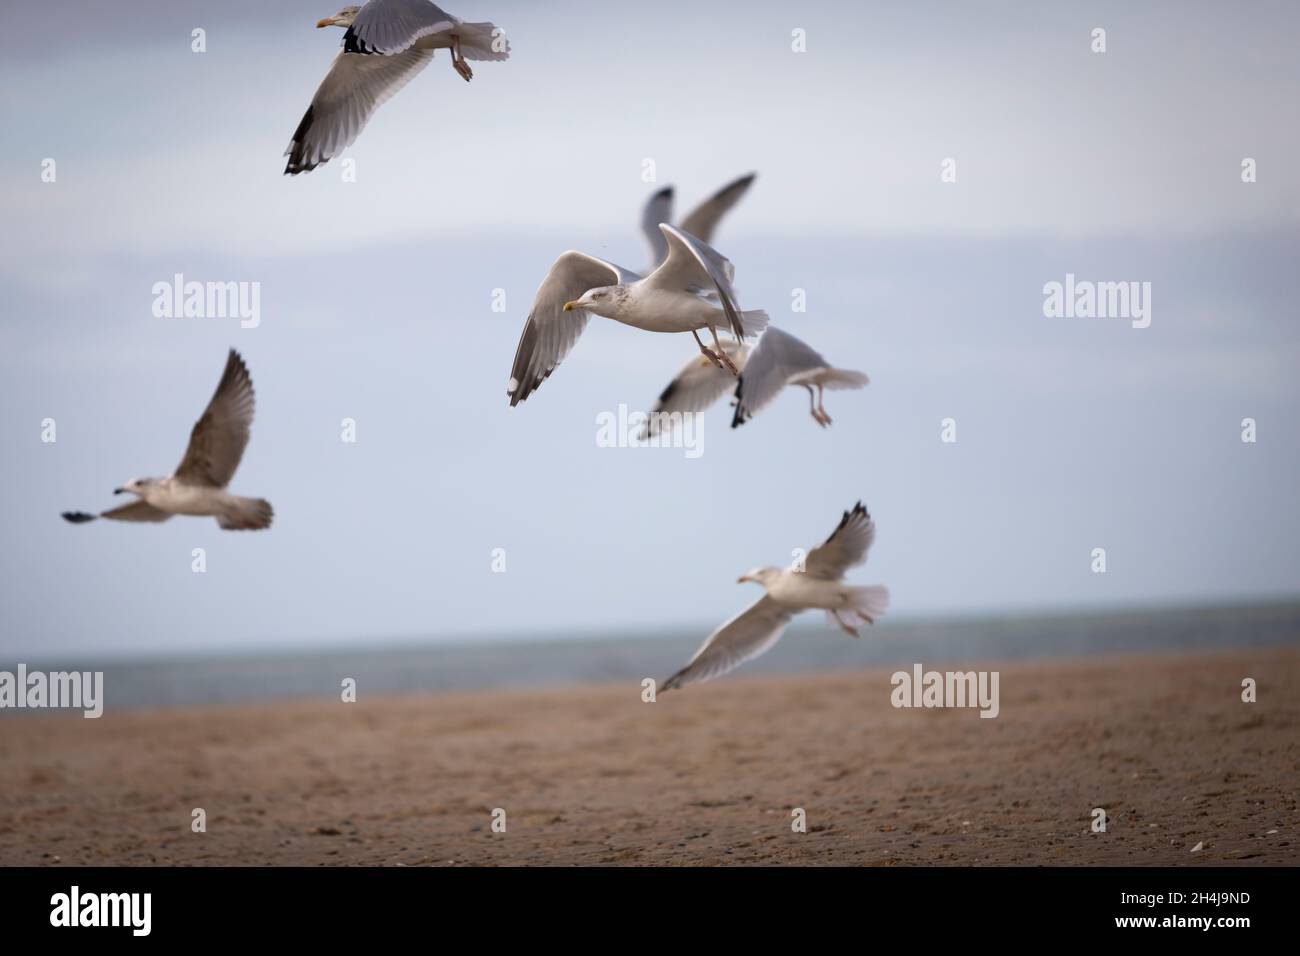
[458,62]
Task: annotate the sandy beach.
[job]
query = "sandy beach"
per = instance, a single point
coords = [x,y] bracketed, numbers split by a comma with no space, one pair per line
[593,775]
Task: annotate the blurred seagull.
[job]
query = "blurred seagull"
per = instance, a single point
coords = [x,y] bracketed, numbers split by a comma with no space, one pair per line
[818,586]
[690,290]
[387,42]
[701,221]
[698,385]
[198,487]
[778,360]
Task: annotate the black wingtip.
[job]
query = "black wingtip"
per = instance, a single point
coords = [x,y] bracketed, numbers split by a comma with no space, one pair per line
[666,192]
[737,186]
[77,517]
[354,44]
[739,416]
[295,165]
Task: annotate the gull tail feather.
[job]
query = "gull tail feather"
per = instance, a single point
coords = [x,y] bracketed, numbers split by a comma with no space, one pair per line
[843,378]
[478,42]
[753,321]
[246,514]
[867,603]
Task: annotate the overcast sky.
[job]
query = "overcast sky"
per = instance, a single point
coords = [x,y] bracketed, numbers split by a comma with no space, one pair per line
[376,303]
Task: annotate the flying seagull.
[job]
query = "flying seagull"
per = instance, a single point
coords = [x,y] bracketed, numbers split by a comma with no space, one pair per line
[818,586]
[698,385]
[690,290]
[387,42]
[199,485]
[778,360]
[701,221]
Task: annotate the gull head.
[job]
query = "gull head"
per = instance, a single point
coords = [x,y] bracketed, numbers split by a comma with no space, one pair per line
[135,486]
[603,301]
[759,576]
[343,18]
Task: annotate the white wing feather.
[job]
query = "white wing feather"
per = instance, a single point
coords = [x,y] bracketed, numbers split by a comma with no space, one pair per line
[698,385]
[747,635]
[550,332]
[387,27]
[695,266]
[352,90]
[704,218]
[846,547]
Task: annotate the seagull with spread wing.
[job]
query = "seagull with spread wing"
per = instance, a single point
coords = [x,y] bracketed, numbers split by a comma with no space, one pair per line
[198,487]
[700,222]
[778,360]
[817,585]
[387,42]
[696,387]
[690,290]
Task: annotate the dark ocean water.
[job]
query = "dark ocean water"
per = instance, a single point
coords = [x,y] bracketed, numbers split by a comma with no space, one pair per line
[433,668]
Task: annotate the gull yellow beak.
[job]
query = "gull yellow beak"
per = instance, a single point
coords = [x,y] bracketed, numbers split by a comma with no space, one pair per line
[328,21]
[742,579]
[569,306]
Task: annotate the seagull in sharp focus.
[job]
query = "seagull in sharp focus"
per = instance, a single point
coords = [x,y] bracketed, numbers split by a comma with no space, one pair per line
[198,487]
[819,585]
[778,360]
[700,222]
[690,290]
[387,42]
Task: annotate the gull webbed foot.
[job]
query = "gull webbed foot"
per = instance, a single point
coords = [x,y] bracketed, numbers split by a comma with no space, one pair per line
[458,62]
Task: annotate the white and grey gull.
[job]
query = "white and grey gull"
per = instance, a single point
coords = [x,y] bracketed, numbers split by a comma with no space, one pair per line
[689,291]
[779,360]
[817,585]
[700,222]
[385,44]
[198,486]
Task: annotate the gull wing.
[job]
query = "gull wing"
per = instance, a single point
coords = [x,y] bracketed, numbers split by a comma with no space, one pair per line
[777,358]
[220,435]
[698,385]
[138,510]
[352,90]
[750,633]
[392,26]
[695,266]
[550,332]
[704,218]
[845,548]
[658,208]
